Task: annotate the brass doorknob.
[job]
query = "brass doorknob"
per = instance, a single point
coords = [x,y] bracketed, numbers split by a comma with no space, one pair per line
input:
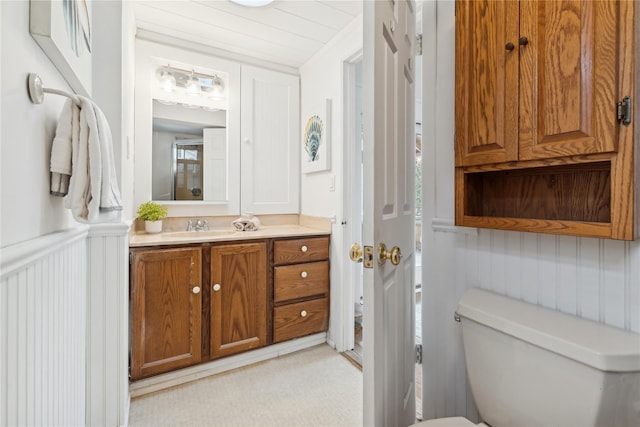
[355,253]
[394,255]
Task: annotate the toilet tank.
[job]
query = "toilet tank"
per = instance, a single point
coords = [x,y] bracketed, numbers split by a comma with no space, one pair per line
[531,366]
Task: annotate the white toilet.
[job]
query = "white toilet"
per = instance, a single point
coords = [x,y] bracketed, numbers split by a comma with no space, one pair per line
[530,366]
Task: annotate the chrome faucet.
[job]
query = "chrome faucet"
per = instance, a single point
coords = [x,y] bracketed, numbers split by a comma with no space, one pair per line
[201,225]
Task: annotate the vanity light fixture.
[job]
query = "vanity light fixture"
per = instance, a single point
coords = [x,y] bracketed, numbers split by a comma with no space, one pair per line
[193,85]
[167,81]
[217,89]
[252,3]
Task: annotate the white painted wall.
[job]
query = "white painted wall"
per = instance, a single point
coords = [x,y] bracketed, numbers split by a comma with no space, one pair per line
[29,215]
[26,209]
[321,77]
[592,278]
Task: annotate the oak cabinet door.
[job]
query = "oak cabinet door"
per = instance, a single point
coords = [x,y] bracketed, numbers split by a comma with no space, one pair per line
[166,310]
[568,78]
[486,88]
[238,298]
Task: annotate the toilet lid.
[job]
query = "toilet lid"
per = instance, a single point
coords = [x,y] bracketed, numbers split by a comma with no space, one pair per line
[449,422]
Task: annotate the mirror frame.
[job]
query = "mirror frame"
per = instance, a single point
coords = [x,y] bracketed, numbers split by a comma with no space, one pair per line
[147,55]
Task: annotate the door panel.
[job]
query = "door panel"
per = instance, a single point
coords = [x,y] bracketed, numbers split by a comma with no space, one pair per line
[571,45]
[166,312]
[389,194]
[486,89]
[238,298]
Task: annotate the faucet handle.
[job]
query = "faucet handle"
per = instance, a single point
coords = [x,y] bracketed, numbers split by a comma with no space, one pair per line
[205,224]
[189,225]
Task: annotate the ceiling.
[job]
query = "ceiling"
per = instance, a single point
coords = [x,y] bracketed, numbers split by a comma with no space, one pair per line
[287,32]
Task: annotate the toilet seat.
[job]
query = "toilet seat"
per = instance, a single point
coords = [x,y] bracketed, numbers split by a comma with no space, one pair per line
[449,422]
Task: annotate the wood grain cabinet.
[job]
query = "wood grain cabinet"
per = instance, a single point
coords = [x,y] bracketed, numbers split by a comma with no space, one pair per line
[166,310]
[198,303]
[301,287]
[539,144]
[238,298]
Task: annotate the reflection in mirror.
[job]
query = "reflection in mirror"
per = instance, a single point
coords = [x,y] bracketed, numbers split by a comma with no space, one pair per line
[189,154]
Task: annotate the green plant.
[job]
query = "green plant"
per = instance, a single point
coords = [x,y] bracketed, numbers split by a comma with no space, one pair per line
[152,211]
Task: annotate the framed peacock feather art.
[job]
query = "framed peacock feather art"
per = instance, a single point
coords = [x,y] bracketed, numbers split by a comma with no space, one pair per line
[316,141]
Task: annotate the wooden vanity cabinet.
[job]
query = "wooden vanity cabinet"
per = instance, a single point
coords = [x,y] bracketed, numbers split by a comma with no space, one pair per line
[166,310]
[238,301]
[200,302]
[301,287]
[539,145]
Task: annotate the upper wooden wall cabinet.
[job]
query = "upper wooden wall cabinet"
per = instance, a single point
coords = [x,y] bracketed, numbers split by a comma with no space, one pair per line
[539,144]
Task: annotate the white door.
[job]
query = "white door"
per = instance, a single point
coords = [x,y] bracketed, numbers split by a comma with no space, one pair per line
[389,216]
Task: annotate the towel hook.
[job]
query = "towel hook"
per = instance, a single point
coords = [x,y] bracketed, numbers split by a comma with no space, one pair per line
[37,90]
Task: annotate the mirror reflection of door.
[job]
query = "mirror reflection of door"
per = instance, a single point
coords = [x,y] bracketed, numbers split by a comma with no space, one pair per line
[187,181]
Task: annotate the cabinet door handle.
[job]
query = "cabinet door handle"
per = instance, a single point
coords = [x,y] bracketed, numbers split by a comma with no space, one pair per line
[509,46]
[196,289]
[523,41]
[304,274]
[303,313]
[304,248]
[216,287]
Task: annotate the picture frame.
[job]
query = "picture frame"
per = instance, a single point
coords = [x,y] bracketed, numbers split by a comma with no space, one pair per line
[64,32]
[316,139]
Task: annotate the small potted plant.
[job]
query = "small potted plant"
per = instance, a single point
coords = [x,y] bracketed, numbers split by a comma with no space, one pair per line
[152,213]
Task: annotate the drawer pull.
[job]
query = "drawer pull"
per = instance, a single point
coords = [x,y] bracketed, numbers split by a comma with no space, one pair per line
[304,248]
[303,313]
[216,287]
[304,274]
[196,289]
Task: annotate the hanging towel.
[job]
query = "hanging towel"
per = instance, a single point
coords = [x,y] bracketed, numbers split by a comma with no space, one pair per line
[93,187]
[61,151]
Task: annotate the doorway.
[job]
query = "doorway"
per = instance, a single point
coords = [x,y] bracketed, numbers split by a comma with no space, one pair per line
[353,206]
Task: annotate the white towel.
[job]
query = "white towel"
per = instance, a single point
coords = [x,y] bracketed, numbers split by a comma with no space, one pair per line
[93,187]
[60,165]
[246,224]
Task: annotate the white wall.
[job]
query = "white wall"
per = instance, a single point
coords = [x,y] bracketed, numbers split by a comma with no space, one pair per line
[321,77]
[29,216]
[27,210]
[592,278]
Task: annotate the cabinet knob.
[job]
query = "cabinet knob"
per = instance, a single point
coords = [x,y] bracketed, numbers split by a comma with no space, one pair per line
[216,287]
[304,248]
[523,41]
[303,313]
[196,289]
[509,46]
[303,274]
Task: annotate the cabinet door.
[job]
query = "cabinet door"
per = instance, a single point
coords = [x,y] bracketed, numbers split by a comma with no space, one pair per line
[166,311]
[270,142]
[486,86]
[569,81]
[238,298]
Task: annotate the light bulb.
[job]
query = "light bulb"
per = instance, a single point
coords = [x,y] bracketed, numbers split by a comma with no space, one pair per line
[217,89]
[193,86]
[167,81]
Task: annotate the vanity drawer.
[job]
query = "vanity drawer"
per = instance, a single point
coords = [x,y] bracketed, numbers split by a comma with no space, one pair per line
[301,250]
[301,280]
[299,319]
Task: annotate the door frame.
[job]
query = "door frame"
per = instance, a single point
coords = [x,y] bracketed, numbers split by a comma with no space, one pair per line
[352,227]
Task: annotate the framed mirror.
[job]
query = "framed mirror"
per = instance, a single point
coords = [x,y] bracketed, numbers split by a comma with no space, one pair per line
[186,99]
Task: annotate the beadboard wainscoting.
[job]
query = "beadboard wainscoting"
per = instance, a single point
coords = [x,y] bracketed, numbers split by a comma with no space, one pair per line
[64,328]
[43,325]
[591,278]
[595,279]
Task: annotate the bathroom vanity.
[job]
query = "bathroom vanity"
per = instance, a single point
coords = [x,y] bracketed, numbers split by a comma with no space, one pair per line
[200,296]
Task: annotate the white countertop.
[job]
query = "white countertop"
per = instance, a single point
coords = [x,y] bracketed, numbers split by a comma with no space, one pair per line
[141,239]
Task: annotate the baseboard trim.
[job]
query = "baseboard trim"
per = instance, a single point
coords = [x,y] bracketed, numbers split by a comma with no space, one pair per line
[192,373]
